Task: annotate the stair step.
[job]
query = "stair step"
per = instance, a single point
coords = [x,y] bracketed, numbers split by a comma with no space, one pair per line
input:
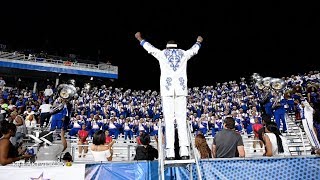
[297,141]
[299,153]
[179,162]
[299,145]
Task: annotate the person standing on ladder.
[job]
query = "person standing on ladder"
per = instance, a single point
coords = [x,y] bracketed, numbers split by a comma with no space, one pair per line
[173,90]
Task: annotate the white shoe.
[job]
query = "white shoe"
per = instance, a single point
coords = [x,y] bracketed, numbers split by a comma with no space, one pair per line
[184,151]
[170,153]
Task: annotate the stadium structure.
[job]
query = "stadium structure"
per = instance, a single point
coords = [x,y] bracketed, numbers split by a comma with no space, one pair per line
[300,165]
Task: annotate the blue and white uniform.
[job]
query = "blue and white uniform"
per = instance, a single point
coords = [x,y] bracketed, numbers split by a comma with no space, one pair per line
[173,90]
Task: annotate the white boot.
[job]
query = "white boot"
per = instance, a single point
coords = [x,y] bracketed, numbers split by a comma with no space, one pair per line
[184,151]
[170,154]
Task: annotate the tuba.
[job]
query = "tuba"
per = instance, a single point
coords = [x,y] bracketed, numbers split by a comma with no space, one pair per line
[277,85]
[66,92]
[267,82]
[266,85]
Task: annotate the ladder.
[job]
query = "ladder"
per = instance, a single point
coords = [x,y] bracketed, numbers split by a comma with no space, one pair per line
[163,164]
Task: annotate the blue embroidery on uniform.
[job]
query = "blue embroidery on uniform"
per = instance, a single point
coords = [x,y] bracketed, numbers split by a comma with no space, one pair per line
[174,57]
[182,83]
[169,79]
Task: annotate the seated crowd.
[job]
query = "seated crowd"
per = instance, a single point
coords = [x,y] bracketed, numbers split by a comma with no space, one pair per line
[129,112]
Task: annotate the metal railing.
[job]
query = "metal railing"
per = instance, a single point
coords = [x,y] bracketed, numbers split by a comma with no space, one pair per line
[22,57]
[128,148]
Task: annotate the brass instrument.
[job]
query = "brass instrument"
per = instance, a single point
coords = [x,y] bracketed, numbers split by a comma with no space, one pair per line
[267,81]
[277,85]
[259,85]
[268,85]
[66,92]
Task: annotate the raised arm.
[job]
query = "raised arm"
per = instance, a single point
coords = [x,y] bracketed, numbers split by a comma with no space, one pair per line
[195,48]
[138,36]
[199,39]
[147,46]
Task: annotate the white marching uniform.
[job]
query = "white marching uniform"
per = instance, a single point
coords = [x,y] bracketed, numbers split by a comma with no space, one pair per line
[173,90]
[307,123]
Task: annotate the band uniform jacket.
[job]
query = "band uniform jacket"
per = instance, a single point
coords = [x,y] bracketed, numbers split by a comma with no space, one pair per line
[173,68]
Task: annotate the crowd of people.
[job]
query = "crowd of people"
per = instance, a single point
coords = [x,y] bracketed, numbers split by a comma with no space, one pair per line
[130,112]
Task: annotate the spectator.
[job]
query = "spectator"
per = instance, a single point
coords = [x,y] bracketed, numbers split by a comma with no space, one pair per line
[138,137]
[83,142]
[108,137]
[276,144]
[265,121]
[48,92]
[203,151]
[67,157]
[256,127]
[2,83]
[30,121]
[19,121]
[228,142]
[28,111]
[99,149]
[145,151]
[109,142]
[45,112]
[8,152]
[3,109]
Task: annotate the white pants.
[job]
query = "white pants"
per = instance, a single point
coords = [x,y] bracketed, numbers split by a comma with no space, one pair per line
[175,108]
[307,123]
[308,128]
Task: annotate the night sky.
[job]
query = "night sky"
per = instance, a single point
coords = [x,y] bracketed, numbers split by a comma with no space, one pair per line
[245,37]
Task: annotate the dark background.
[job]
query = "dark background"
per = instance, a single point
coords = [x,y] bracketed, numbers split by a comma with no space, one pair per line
[270,38]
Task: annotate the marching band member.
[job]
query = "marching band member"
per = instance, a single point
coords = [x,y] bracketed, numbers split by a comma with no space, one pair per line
[173,90]
[308,123]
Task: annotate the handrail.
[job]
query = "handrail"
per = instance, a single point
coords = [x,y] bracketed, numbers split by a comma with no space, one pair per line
[303,144]
[193,146]
[160,153]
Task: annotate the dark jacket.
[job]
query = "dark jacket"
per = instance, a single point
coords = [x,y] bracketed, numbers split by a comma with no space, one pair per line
[146,153]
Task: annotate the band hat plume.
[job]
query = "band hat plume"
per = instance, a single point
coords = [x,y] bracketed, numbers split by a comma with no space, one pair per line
[172,45]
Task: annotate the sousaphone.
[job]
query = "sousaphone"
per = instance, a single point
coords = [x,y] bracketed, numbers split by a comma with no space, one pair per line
[277,84]
[66,92]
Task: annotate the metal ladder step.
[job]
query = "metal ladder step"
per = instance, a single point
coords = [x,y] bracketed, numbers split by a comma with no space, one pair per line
[178,163]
